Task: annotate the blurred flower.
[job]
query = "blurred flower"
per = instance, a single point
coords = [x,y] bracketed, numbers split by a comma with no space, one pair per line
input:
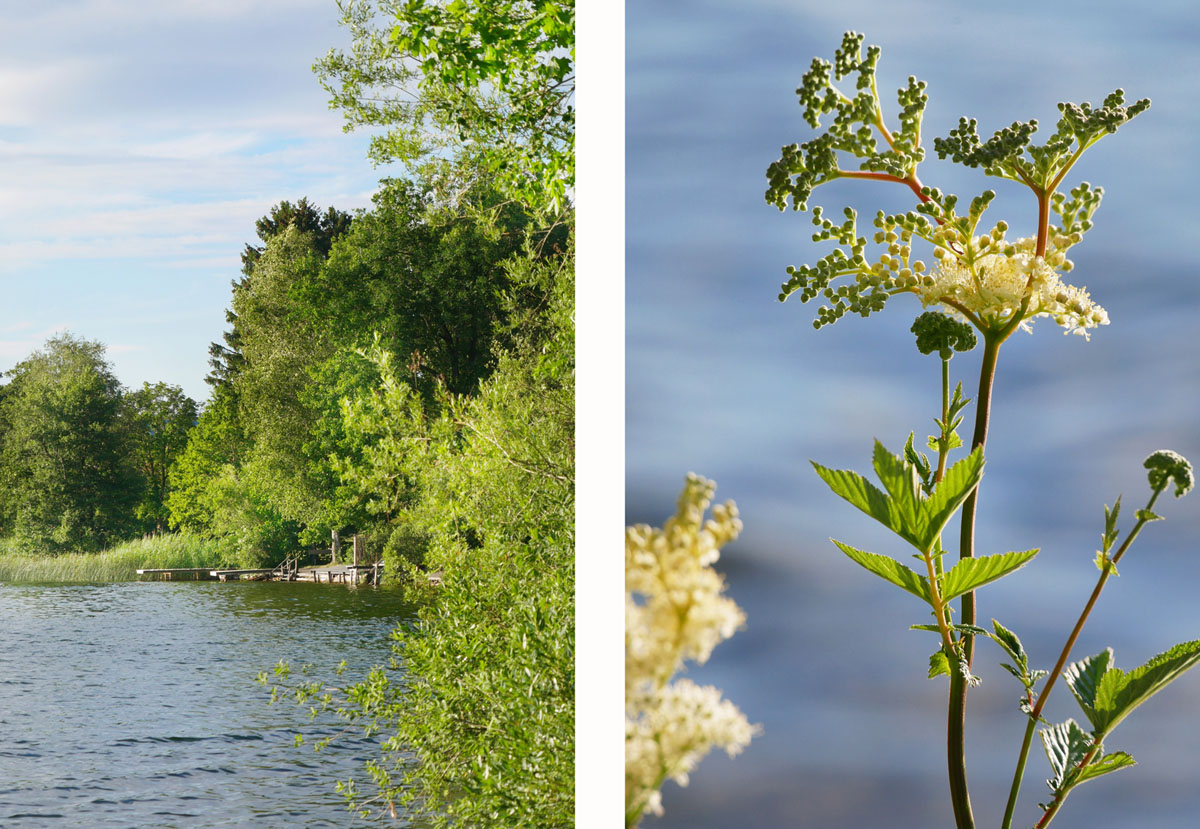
[674,611]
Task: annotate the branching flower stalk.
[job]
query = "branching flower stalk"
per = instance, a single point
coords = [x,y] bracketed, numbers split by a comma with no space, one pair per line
[980,280]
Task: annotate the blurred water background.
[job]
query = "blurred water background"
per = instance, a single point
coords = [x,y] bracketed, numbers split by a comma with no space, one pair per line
[724,380]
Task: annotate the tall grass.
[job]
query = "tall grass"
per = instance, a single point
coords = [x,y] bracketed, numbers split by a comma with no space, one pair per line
[120,563]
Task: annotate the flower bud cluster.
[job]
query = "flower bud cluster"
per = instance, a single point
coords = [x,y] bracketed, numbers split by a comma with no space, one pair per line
[674,611]
[1165,466]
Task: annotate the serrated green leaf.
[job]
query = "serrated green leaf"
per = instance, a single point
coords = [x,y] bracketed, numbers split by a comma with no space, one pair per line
[959,481]
[1109,762]
[920,462]
[1008,640]
[889,569]
[1119,693]
[1110,524]
[902,483]
[1147,515]
[971,573]
[972,630]
[1066,745]
[863,494]
[938,664]
[1018,674]
[1083,678]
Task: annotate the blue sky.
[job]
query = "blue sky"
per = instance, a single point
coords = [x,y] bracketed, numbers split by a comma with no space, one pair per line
[139,142]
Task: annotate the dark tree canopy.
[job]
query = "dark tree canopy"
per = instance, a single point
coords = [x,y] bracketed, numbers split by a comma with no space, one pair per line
[323,228]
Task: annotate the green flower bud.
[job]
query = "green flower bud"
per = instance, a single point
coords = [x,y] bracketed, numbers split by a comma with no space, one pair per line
[941,333]
[1165,465]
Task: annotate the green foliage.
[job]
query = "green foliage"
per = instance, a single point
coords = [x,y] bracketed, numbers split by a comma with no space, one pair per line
[1107,694]
[227,361]
[1066,745]
[217,441]
[67,484]
[160,418]
[119,563]
[1108,763]
[481,489]
[889,569]
[971,573]
[903,508]
[488,82]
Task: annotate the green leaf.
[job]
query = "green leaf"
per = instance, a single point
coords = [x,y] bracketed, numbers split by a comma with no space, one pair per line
[1118,693]
[903,508]
[1066,745]
[1147,516]
[1083,678]
[971,630]
[1008,640]
[890,569]
[918,460]
[1104,563]
[863,494]
[938,664]
[972,573]
[1110,524]
[1109,762]
[959,481]
[903,484]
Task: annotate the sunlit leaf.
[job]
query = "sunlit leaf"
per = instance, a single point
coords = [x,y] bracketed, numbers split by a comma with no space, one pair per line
[1118,693]
[1109,762]
[863,494]
[971,573]
[1066,745]
[1083,678]
[890,569]
[959,482]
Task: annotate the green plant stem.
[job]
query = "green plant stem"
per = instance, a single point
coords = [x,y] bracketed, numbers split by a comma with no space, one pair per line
[943,448]
[957,708]
[1059,799]
[1036,713]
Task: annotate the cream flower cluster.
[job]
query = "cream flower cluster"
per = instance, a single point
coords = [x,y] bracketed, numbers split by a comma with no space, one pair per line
[994,285]
[674,611]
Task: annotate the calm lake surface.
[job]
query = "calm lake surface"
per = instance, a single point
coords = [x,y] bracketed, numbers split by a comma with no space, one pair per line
[135,704]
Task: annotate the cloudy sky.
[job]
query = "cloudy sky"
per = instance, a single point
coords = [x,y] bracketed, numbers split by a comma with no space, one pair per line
[139,142]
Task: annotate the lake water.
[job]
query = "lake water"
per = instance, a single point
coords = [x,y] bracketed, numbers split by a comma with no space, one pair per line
[135,704]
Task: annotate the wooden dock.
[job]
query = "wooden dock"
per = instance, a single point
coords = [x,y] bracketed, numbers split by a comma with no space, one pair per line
[352,574]
[359,570]
[195,573]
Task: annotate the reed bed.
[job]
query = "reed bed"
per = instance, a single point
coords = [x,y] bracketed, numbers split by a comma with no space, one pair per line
[120,563]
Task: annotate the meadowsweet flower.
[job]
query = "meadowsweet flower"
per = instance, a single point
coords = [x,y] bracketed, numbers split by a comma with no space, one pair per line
[993,286]
[674,611]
